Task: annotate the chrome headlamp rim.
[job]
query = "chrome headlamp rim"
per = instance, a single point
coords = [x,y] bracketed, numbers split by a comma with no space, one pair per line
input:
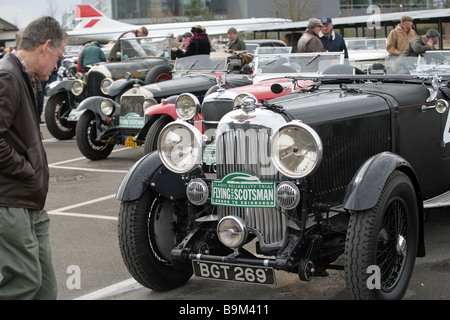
[187,106]
[196,149]
[314,139]
[78,87]
[238,100]
[107,107]
[105,85]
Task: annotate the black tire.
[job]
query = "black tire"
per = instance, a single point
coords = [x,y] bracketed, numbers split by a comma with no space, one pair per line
[56,109]
[158,74]
[375,240]
[151,139]
[86,135]
[146,238]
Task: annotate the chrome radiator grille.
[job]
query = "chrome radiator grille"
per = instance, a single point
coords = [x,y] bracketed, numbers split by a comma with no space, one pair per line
[248,151]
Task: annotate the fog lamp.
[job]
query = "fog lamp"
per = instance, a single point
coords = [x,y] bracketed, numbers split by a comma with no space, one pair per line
[232,231]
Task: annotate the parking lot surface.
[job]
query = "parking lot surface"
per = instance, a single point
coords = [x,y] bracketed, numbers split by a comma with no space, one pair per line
[83,211]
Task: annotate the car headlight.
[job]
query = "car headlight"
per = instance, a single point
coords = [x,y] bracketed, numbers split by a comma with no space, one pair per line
[240,98]
[105,85]
[180,147]
[78,87]
[186,106]
[107,107]
[148,103]
[296,149]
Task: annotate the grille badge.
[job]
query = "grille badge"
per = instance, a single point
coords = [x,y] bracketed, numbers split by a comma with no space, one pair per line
[242,117]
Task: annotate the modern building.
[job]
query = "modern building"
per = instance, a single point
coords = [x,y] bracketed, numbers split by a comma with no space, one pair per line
[160,11]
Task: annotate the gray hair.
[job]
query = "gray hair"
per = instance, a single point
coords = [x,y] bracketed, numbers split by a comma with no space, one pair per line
[41,30]
[432,33]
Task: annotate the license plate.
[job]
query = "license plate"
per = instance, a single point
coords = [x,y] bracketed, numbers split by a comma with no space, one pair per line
[130,143]
[234,272]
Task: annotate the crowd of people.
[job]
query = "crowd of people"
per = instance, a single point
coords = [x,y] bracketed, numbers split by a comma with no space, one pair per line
[402,40]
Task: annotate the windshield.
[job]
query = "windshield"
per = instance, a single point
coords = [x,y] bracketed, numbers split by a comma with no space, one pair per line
[366,44]
[153,47]
[201,64]
[272,50]
[431,64]
[276,65]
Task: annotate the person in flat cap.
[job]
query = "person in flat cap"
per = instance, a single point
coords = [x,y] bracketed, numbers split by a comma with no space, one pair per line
[185,38]
[399,37]
[235,43]
[331,40]
[198,44]
[310,41]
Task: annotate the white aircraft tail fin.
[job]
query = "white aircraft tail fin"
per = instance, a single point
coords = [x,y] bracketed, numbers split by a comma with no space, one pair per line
[87,17]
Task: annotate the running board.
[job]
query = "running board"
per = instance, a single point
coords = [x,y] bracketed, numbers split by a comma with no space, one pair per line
[442,200]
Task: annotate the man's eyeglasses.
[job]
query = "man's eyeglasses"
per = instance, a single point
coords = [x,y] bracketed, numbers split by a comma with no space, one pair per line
[61,55]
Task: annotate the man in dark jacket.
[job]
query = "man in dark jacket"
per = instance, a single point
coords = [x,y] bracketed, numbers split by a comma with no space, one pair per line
[418,45]
[91,55]
[235,43]
[331,40]
[26,270]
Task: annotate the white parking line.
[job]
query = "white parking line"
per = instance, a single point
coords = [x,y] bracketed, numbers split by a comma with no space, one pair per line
[82,215]
[88,169]
[60,211]
[118,288]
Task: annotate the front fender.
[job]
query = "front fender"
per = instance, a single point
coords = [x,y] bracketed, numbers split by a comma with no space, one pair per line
[93,104]
[149,172]
[58,86]
[365,188]
[162,108]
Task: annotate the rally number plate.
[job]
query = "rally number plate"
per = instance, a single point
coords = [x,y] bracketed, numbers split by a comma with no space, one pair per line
[233,272]
[130,143]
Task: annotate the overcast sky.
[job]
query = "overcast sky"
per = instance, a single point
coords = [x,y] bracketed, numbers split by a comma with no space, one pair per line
[22,12]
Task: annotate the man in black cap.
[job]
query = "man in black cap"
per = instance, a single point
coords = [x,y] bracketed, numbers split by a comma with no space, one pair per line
[331,40]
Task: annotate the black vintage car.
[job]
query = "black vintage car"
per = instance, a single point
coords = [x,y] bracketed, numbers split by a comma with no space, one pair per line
[66,95]
[103,123]
[345,167]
